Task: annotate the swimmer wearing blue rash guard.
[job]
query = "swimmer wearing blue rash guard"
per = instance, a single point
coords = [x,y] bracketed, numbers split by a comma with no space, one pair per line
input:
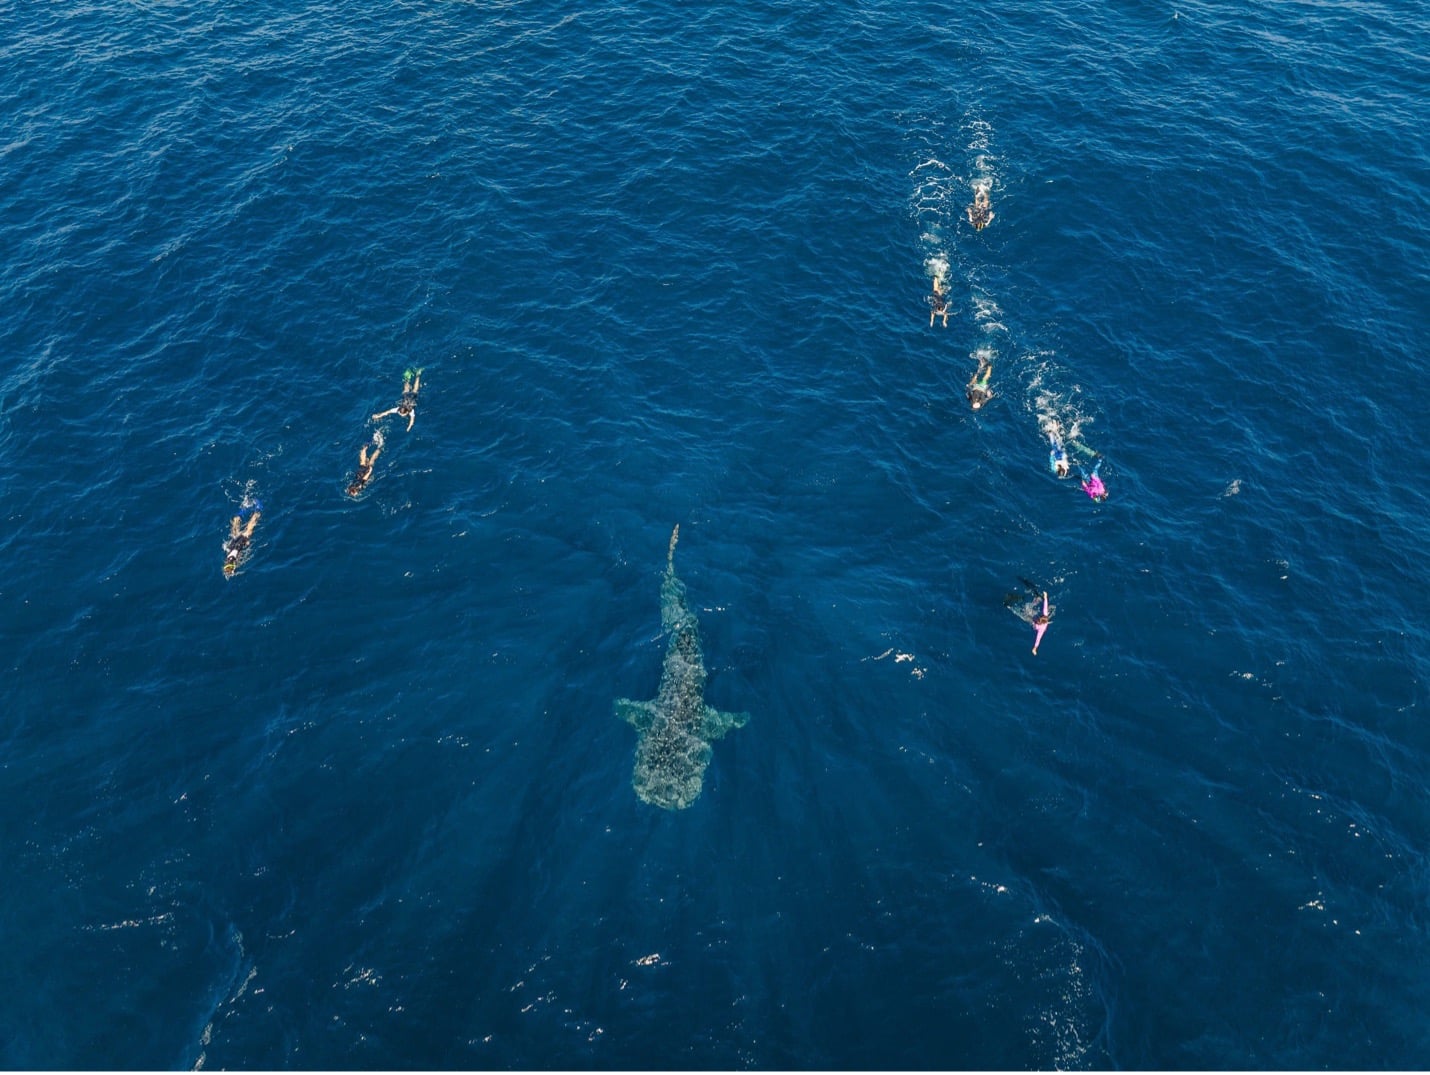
[1058,456]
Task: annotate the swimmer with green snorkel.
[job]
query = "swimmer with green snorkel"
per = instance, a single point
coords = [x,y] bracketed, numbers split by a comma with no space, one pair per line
[980,389]
[407,405]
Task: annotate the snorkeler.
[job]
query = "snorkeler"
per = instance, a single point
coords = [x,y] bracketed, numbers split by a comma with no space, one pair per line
[1040,624]
[939,303]
[1092,483]
[239,536]
[407,405]
[1058,456]
[981,211]
[979,391]
[1026,606]
[365,462]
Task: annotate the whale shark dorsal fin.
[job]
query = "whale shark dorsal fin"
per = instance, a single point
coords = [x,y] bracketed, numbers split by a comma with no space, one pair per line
[717,723]
[670,553]
[639,715]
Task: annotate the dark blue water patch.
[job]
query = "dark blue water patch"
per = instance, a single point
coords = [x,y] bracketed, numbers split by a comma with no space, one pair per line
[366,803]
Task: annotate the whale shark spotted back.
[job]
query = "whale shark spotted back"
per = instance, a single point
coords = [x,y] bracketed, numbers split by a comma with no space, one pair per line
[676,727]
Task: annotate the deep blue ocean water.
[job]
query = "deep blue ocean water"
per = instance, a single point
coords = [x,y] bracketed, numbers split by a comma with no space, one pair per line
[366,804]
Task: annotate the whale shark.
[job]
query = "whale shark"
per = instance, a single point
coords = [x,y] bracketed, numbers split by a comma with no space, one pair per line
[676,727]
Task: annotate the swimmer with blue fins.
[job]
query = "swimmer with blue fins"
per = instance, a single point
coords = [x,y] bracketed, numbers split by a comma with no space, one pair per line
[1066,451]
[1058,456]
[240,535]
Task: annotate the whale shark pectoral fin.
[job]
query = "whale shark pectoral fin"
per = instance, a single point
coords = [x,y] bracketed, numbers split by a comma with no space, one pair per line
[639,715]
[716,723]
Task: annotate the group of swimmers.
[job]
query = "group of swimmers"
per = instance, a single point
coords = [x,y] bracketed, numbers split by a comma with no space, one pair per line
[980,213]
[240,532]
[1037,611]
[368,453]
[1059,464]
[1033,606]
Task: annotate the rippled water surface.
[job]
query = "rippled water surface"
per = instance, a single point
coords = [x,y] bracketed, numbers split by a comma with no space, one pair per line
[368,804]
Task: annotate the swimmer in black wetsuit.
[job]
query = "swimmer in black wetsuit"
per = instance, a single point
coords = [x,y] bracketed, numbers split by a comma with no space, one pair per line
[407,405]
[239,536]
[981,211]
[364,470]
[979,391]
[939,303]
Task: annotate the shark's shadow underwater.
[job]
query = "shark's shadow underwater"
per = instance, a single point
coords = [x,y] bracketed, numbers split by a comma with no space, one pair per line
[676,728]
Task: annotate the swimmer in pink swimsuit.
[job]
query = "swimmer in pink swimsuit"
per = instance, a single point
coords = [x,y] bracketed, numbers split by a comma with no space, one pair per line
[1092,484]
[1040,624]
[1030,612]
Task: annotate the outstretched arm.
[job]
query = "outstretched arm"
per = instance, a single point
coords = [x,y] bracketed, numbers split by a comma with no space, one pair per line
[411,417]
[384,414]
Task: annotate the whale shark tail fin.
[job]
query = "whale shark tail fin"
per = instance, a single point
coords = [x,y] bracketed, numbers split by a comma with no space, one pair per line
[670,553]
[717,723]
